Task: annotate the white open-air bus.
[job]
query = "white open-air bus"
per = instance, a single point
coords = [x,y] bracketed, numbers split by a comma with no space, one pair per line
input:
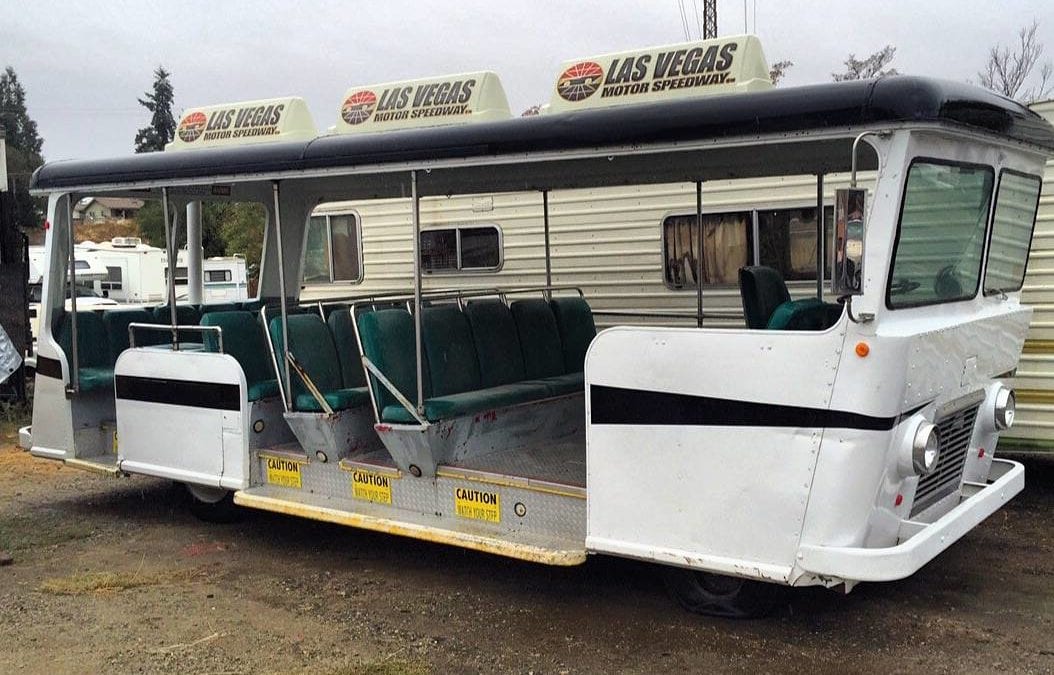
[826,443]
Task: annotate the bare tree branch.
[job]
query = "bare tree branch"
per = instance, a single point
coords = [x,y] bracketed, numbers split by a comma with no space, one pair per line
[867,68]
[1008,69]
[778,70]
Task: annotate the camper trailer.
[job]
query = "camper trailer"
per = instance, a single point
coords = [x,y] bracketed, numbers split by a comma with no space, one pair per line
[803,390]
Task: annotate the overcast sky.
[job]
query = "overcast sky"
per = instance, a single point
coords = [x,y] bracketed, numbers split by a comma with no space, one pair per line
[84,63]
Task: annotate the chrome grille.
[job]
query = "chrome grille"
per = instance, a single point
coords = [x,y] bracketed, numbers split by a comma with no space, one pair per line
[955,432]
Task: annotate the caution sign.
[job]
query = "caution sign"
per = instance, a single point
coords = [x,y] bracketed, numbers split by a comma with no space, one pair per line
[284,472]
[477,505]
[371,487]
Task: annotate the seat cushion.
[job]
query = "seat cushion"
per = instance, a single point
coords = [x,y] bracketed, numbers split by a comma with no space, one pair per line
[116,322]
[804,314]
[388,341]
[451,353]
[312,345]
[560,385]
[539,335]
[340,399]
[470,402]
[243,338]
[263,389]
[577,330]
[343,331]
[95,378]
[93,346]
[497,342]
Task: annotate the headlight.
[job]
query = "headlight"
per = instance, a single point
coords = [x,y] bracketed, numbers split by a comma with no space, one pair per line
[1005,407]
[925,448]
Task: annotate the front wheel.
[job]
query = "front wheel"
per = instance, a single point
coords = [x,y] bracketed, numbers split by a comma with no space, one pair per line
[719,595]
[213,505]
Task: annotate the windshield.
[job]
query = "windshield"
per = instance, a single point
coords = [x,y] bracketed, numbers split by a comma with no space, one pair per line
[1015,213]
[940,241]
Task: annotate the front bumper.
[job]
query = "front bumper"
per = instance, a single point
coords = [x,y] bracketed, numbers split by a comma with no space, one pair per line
[853,564]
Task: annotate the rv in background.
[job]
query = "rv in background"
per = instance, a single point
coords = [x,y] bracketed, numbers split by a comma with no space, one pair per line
[1034,383]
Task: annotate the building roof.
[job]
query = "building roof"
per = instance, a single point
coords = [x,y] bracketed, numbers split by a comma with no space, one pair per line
[781,110]
[112,203]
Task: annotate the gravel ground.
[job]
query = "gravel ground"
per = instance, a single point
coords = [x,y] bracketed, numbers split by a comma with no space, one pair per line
[114,575]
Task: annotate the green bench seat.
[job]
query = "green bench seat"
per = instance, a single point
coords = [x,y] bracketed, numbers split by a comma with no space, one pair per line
[312,345]
[243,339]
[94,358]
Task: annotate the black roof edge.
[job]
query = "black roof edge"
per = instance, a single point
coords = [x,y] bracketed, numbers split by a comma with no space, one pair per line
[888,100]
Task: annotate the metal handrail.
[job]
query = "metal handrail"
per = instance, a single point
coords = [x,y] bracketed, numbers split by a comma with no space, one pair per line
[659,314]
[132,327]
[403,401]
[481,293]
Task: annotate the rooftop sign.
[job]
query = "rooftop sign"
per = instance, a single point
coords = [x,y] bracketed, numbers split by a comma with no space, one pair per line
[722,66]
[427,102]
[264,121]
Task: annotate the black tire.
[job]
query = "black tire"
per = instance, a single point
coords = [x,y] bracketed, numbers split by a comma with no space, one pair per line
[719,595]
[213,505]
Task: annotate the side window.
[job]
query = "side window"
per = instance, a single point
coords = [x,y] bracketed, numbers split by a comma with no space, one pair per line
[453,249]
[787,241]
[181,276]
[333,252]
[114,279]
[1015,215]
[727,246]
[217,276]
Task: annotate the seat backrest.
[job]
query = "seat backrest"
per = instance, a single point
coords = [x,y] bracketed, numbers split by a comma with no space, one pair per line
[543,354]
[311,344]
[93,347]
[186,315]
[388,342]
[116,322]
[452,361]
[218,307]
[243,338]
[763,290]
[574,318]
[497,342]
[343,331]
[251,305]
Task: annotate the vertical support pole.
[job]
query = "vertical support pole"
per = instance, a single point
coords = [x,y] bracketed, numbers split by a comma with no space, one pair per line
[170,245]
[699,255]
[416,217]
[75,380]
[194,254]
[548,259]
[820,241]
[284,360]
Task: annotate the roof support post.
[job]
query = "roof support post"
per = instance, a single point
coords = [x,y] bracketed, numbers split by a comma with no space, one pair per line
[548,259]
[416,217]
[284,358]
[75,380]
[194,254]
[170,245]
[820,241]
[699,255]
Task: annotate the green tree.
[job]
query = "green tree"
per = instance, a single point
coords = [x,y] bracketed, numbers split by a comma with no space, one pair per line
[162,128]
[242,228]
[24,147]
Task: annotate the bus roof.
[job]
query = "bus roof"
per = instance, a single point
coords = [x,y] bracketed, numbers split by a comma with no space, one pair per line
[778,111]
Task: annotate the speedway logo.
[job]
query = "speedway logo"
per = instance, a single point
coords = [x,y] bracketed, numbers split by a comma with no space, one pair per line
[192,126]
[580,81]
[358,107]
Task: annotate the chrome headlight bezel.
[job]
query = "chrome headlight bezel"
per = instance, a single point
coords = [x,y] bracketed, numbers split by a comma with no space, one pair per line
[1005,408]
[925,448]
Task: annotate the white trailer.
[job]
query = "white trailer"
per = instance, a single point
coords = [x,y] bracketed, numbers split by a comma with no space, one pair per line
[839,438]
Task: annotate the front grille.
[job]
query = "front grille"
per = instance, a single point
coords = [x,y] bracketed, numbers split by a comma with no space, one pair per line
[955,432]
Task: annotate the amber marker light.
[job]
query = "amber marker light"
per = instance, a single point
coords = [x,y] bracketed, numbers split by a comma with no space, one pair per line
[862,349]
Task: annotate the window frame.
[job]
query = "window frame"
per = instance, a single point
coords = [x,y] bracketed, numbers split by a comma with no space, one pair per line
[753,237]
[900,221]
[329,239]
[991,232]
[457,243]
[228,276]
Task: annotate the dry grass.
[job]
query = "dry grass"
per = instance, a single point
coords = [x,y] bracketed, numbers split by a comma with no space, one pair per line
[385,667]
[103,582]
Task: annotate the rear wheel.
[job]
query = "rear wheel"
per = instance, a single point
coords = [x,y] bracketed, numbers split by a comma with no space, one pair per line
[719,595]
[213,505]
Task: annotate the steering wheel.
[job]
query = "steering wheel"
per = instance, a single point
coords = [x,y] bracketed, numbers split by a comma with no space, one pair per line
[902,285]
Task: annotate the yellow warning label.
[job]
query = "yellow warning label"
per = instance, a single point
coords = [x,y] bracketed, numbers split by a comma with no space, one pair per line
[477,504]
[371,487]
[283,472]
[115,442]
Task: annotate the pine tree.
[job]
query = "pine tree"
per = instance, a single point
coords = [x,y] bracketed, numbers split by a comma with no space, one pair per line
[24,148]
[162,127]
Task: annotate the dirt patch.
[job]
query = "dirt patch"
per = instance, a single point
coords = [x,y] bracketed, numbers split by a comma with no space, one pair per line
[278,594]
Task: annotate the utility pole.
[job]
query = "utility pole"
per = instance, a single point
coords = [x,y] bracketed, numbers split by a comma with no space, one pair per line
[709,19]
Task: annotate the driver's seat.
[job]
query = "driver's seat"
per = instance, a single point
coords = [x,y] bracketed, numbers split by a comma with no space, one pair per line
[763,290]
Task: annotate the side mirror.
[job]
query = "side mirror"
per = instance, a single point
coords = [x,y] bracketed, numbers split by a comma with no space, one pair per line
[849,209]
